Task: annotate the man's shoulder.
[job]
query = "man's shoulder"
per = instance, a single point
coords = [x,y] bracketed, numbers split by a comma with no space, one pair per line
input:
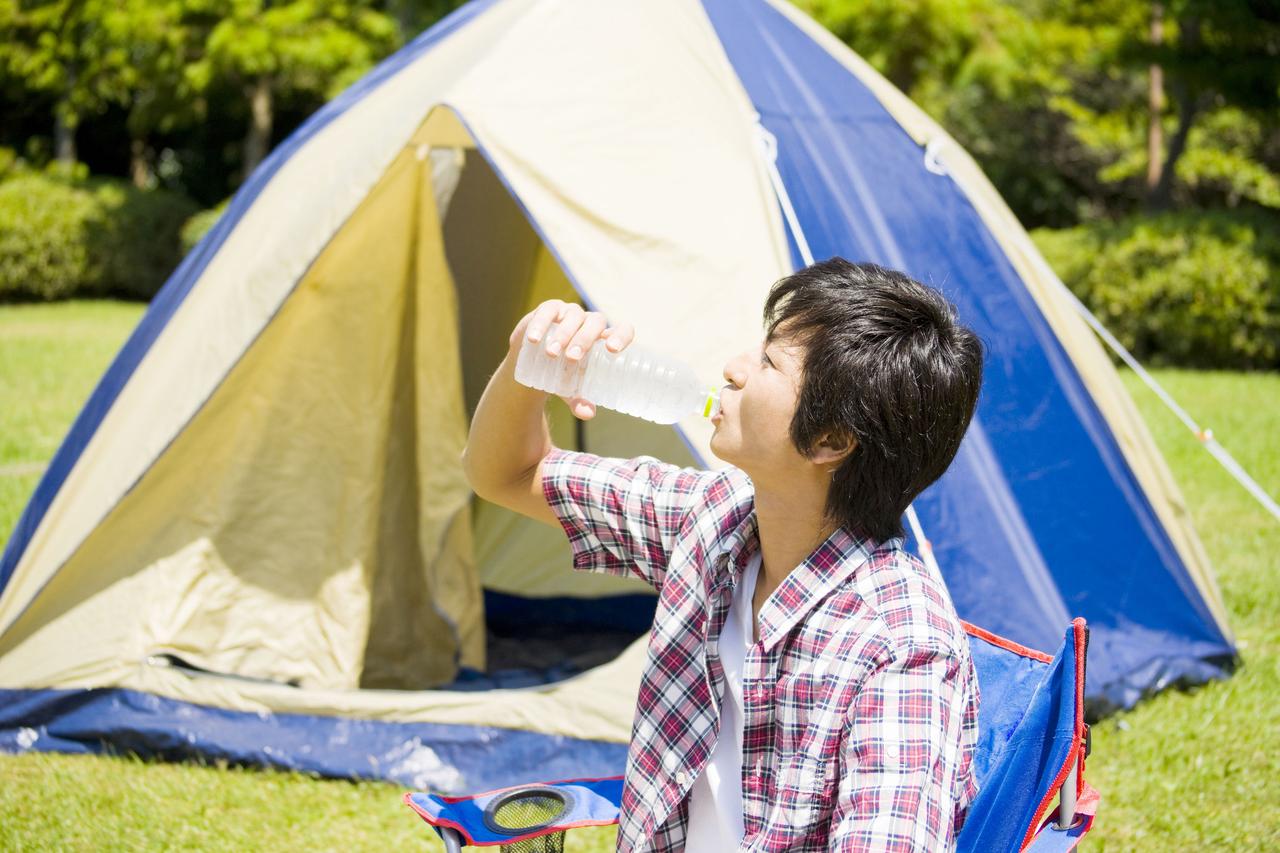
[912,602]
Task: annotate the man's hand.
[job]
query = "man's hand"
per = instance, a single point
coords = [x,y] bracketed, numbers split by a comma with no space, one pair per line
[577,331]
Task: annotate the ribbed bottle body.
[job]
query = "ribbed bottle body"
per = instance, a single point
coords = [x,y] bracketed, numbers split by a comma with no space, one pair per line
[636,381]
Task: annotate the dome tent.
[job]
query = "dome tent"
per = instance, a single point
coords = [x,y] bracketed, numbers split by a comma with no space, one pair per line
[257,542]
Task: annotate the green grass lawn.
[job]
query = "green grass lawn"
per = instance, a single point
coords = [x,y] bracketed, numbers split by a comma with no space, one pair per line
[1186,770]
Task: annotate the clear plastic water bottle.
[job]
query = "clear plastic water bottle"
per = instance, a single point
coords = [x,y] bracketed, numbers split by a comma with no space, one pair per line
[635,381]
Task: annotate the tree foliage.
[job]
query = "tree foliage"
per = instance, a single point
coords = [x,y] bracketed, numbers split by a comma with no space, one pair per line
[65,49]
[313,46]
[274,47]
[160,63]
[1051,97]
[1147,133]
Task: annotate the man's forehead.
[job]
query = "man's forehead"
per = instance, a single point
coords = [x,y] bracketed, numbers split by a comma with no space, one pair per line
[779,336]
[774,335]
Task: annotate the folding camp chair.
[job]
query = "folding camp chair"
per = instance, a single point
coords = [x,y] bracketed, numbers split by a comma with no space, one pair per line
[1032,743]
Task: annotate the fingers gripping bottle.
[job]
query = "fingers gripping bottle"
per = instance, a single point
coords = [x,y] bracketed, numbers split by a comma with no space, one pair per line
[635,381]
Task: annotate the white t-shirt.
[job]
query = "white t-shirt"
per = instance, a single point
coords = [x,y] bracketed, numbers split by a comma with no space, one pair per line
[715,801]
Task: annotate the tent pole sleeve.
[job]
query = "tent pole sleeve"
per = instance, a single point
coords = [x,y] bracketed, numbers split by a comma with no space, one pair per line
[768,145]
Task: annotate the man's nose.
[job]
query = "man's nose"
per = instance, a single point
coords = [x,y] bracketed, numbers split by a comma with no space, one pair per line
[734,371]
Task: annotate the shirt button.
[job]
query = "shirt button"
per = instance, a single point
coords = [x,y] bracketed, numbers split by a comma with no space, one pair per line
[682,779]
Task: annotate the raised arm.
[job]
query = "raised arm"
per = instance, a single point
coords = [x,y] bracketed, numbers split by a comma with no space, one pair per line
[509,435]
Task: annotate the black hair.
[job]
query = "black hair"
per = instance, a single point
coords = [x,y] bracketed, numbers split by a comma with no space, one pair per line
[886,363]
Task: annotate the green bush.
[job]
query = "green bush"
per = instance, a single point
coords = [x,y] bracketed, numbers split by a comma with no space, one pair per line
[1198,289]
[62,237]
[10,163]
[44,250]
[197,226]
[140,242]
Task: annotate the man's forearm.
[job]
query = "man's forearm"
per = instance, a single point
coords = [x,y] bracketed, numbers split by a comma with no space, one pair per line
[509,432]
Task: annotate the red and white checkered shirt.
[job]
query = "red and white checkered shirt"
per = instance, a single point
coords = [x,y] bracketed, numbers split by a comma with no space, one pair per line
[860,699]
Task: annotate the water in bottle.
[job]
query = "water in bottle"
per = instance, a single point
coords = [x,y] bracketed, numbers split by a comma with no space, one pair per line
[635,381]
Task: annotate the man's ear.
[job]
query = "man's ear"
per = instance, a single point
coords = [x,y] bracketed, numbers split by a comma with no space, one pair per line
[832,449]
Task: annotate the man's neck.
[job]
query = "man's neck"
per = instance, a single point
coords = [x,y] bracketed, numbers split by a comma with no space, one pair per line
[790,529]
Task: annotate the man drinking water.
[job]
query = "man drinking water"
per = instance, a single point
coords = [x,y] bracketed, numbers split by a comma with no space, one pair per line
[808,684]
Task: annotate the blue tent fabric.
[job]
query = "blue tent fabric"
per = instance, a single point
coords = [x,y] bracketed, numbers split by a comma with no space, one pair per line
[449,758]
[1031,732]
[1040,517]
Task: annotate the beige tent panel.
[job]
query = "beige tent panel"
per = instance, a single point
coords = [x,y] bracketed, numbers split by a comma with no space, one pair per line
[318,487]
[359,382]
[661,208]
[1096,369]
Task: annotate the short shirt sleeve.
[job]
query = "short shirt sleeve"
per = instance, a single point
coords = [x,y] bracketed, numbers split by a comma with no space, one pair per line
[622,516]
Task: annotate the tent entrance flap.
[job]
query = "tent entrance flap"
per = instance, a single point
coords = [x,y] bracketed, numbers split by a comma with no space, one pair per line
[502,269]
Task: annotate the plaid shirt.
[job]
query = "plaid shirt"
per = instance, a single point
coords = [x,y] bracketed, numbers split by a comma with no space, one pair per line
[861,701]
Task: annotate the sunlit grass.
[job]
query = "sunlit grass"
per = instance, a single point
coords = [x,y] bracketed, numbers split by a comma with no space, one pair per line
[1197,770]
[51,357]
[1186,770]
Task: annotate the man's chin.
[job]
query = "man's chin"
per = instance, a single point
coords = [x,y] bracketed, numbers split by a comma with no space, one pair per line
[718,449]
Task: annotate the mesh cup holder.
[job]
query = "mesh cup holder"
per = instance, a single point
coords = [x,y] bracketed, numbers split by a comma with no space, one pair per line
[528,810]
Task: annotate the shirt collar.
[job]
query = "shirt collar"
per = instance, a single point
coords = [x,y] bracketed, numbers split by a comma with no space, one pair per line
[829,566]
[742,538]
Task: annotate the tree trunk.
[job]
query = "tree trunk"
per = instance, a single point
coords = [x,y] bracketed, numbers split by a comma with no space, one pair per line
[64,137]
[64,123]
[402,11]
[1188,105]
[1155,105]
[258,140]
[139,164]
